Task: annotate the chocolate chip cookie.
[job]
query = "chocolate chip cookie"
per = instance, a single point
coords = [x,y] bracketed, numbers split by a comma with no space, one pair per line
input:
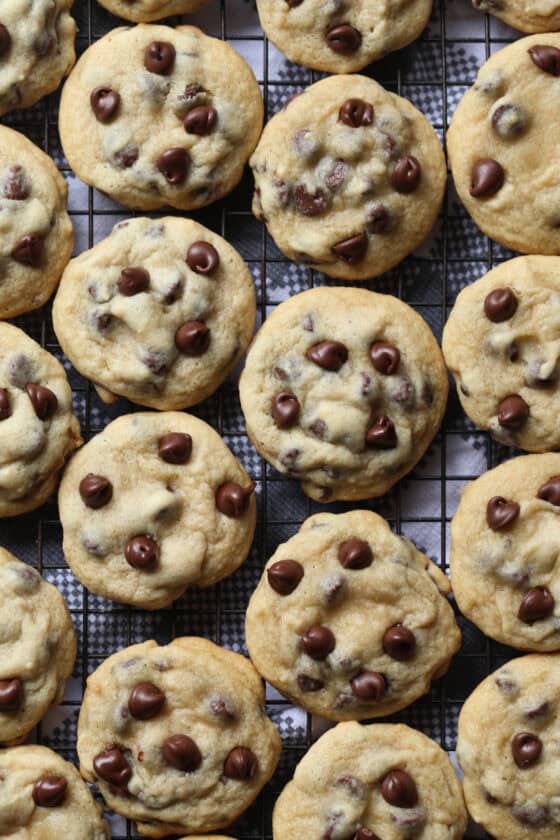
[370,782]
[38,429]
[37,649]
[526,15]
[36,50]
[152,505]
[43,797]
[503,129]
[341,37]
[349,620]
[343,389]
[153,115]
[509,749]
[349,178]
[160,312]
[176,737]
[505,542]
[143,11]
[37,235]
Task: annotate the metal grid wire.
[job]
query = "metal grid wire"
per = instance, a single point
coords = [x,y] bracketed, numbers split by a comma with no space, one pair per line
[434,73]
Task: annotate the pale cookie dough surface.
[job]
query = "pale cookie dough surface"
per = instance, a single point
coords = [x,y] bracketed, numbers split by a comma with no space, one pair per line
[36,49]
[36,235]
[177,505]
[37,649]
[501,342]
[122,307]
[350,576]
[509,750]
[192,746]
[505,543]
[144,11]
[342,37]
[38,429]
[43,797]
[349,177]
[352,432]
[342,787]
[503,129]
[178,116]
[526,15]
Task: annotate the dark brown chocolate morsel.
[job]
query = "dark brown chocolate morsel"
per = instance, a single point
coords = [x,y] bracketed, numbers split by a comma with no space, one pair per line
[159,57]
[50,791]
[329,355]
[399,789]
[145,701]
[111,766]
[353,249]
[526,749]
[318,642]
[500,305]
[512,412]
[241,764]
[181,752]
[385,357]
[141,552]
[5,40]
[96,491]
[537,605]
[203,258]
[284,576]
[192,338]
[344,39]
[306,683]
[285,409]
[5,407]
[310,204]
[29,250]
[546,58]
[175,448]
[356,113]
[174,165]
[355,554]
[232,499]
[11,694]
[200,120]
[550,491]
[406,174]
[399,643]
[500,513]
[15,186]
[369,686]
[382,434]
[487,177]
[104,103]
[133,280]
[43,400]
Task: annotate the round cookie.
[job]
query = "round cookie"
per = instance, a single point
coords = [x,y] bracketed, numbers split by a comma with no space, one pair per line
[36,50]
[37,649]
[42,796]
[153,115]
[349,177]
[508,749]
[341,37]
[526,15]
[343,389]
[502,146]
[505,543]
[349,620]
[176,737]
[159,312]
[370,782]
[153,504]
[144,11]
[38,429]
[501,345]
[37,234]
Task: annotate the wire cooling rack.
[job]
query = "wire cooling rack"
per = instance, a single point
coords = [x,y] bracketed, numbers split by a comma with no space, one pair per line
[433,73]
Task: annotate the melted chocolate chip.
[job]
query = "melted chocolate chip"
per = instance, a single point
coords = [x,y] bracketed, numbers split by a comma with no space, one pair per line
[111,766]
[11,695]
[159,57]
[399,643]
[352,250]
[141,553]
[382,435]
[526,749]
[241,764]
[192,338]
[175,448]
[398,789]
[127,157]
[318,642]
[5,408]
[369,686]
[329,355]
[284,576]
[96,491]
[500,513]
[181,752]
[174,165]
[5,40]
[29,250]
[337,176]
[546,58]
[513,412]
[550,491]
[537,605]
[203,258]
[355,554]
[306,683]
[43,400]
[344,39]
[384,357]
[310,204]
[232,499]
[356,113]
[406,174]
[500,305]
[145,701]
[50,791]
[487,177]
[285,409]
[378,219]
[509,121]
[104,103]
[133,280]
[15,186]
[200,120]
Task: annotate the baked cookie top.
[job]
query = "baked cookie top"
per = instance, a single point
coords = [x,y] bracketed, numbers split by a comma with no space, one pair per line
[369,782]
[154,115]
[176,737]
[526,15]
[349,620]
[153,504]
[37,234]
[509,748]
[344,389]
[36,50]
[505,542]
[501,345]
[147,10]
[42,796]
[158,312]
[37,426]
[502,146]
[349,177]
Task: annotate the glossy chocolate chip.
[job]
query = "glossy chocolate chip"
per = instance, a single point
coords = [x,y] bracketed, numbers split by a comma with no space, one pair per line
[537,604]
[378,219]
[355,554]
[526,749]
[285,409]
[50,791]
[509,121]
[5,408]
[352,250]
[175,448]
[141,553]
[159,57]
[385,357]
[192,338]
[174,165]
[104,103]
[5,40]
[232,499]
[512,412]
[284,576]
[329,355]
[43,400]
[29,250]
[181,752]
[546,58]
[382,434]
[399,789]
[406,174]
[145,701]
[369,685]
[356,113]
[310,204]
[11,695]
[500,305]
[399,643]
[318,642]
[309,684]
[96,491]
[344,39]
[111,766]
[487,177]
[200,120]
[500,513]
[241,764]
[203,258]
[133,280]
[550,491]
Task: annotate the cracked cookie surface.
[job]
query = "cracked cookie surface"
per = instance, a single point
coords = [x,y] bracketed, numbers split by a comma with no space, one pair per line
[144,11]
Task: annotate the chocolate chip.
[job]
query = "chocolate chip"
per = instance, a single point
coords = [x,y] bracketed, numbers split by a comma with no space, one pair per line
[329,355]
[133,280]
[174,165]
[192,338]
[550,491]
[141,553]
[181,752]
[191,91]
[487,177]
[318,642]
[284,576]
[378,219]
[50,791]
[43,400]
[310,204]
[513,412]
[111,766]
[5,408]
[509,121]
[292,4]
[355,554]
[526,749]
[369,685]
[29,250]
[175,448]
[344,39]
[285,409]
[159,57]
[384,357]
[232,499]
[500,513]
[500,305]
[241,764]
[96,491]
[15,187]
[127,157]
[200,120]
[365,834]
[337,176]
[382,435]
[537,604]
[306,683]
[145,701]
[5,40]
[399,789]
[352,250]
[535,816]
[540,711]
[11,695]
[406,174]
[356,113]
[104,103]
[546,58]
[203,258]
[399,643]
